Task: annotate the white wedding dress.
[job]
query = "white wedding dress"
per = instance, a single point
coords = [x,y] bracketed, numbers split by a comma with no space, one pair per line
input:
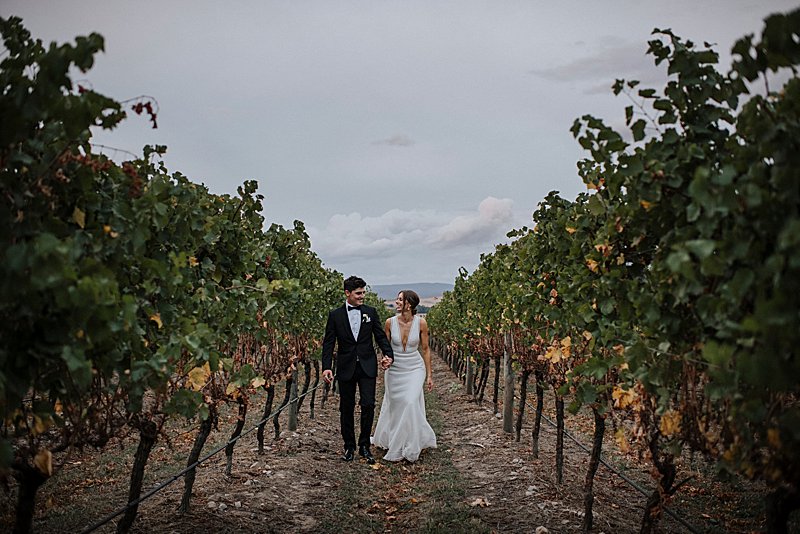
[402,427]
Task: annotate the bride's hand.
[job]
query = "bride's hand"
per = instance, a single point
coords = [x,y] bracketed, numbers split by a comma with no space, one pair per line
[430,383]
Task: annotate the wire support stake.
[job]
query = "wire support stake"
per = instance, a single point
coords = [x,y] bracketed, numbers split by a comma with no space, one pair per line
[178,475]
[633,484]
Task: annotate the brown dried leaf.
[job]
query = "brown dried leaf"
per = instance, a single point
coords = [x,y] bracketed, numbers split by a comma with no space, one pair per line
[43,461]
[480,501]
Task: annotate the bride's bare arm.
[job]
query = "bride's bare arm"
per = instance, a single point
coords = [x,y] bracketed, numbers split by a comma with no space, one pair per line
[386,362]
[426,352]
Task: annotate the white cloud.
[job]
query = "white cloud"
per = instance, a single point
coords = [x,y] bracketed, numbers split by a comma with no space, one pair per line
[353,236]
[412,245]
[493,214]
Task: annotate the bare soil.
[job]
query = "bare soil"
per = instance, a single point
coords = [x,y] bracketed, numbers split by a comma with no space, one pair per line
[479,479]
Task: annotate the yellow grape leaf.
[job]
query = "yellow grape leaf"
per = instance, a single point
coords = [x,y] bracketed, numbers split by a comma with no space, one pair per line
[774,438]
[257,382]
[622,441]
[232,389]
[646,205]
[79,217]
[571,230]
[156,318]
[554,354]
[621,259]
[712,437]
[566,346]
[603,249]
[41,424]
[43,461]
[198,377]
[587,335]
[193,261]
[592,265]
[670,423]
[622,397]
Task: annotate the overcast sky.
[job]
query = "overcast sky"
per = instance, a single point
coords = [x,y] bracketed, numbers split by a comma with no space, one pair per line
[409,136]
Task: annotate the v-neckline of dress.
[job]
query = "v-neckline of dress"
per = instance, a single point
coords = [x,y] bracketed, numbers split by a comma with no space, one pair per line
[400,331]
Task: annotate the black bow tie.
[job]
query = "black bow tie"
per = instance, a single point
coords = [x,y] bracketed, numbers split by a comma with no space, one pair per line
[349,308]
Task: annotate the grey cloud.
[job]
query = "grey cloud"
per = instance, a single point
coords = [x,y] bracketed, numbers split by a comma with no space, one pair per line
[396,140]
[610,61]
[413,245]
[328,95]
[351,236]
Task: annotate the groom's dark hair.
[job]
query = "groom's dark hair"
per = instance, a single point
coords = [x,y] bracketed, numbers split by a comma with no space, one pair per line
[354,282]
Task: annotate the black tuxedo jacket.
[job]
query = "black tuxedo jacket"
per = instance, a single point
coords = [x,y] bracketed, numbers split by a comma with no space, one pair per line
[351,350]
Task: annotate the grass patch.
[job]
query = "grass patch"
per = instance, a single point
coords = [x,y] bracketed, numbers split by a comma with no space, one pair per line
[444,486]
[348,506]
[426,496]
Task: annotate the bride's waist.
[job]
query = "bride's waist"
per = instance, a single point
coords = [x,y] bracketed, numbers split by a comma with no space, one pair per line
[406,354]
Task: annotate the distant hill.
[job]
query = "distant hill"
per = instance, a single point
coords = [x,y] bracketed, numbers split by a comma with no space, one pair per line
[423,289]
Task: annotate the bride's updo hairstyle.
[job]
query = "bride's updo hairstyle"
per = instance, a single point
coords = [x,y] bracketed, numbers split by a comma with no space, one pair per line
[410,297]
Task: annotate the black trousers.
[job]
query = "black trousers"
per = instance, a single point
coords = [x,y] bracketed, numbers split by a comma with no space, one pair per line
[347,405]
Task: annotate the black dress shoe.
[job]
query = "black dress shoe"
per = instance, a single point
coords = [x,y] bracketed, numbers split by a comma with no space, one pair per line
[349,454]
[364,452]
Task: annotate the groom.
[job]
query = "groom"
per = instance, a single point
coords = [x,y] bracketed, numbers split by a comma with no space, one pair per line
[353,327]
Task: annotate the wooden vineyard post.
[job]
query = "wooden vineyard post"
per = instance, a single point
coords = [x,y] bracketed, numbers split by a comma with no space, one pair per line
[508,388]
[293,404]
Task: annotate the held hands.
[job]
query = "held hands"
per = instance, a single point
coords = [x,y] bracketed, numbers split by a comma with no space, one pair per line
[386,362]
[327,376]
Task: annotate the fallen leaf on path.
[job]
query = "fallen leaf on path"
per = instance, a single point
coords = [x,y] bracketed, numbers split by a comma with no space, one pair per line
[480,501]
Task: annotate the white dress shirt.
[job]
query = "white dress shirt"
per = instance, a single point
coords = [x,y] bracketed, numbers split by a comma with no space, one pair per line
[355,320]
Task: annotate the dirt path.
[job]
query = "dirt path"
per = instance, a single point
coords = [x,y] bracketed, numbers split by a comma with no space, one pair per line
[478,480]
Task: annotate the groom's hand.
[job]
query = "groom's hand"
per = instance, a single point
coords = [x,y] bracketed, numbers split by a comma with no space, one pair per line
[327,376]
[386,362]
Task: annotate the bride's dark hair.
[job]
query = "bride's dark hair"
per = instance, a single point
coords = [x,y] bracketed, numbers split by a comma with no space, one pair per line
[410,297]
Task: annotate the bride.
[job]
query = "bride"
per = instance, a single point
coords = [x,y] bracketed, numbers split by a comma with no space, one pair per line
[402,428]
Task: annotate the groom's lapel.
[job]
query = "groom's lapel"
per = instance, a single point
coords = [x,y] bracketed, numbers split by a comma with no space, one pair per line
[366,328]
